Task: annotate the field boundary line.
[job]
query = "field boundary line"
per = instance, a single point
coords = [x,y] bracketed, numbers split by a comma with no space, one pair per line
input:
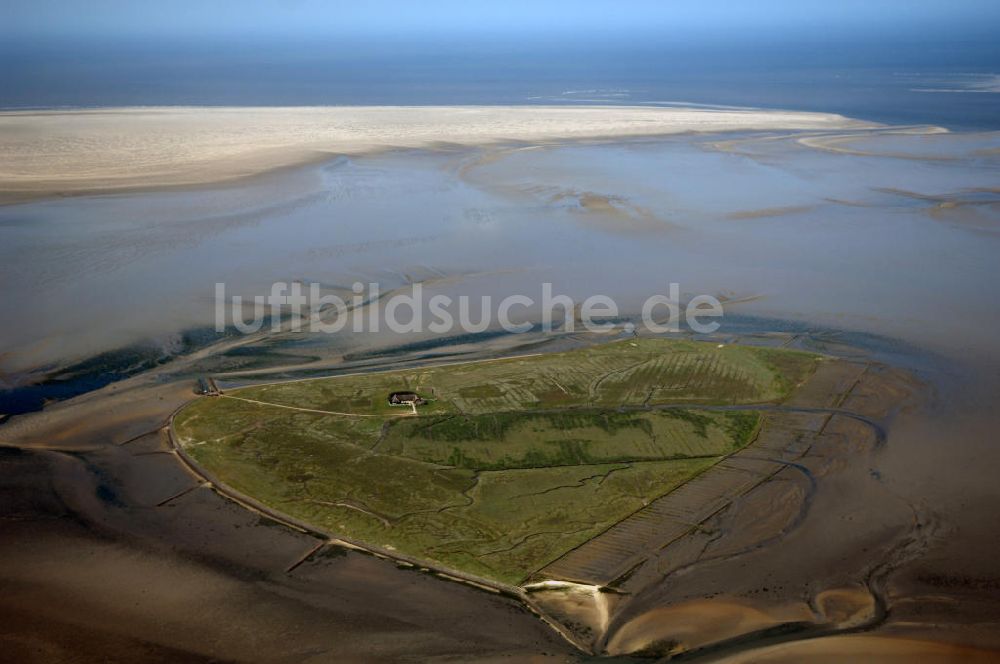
[307,410]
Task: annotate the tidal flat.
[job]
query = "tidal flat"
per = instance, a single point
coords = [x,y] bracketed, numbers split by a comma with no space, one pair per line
[746,217]
[848,252]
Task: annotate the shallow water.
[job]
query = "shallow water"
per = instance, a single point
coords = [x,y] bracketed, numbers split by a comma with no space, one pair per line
[860,242]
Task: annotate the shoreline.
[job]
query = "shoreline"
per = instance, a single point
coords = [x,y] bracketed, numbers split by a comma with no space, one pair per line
[58,153]
[327,539]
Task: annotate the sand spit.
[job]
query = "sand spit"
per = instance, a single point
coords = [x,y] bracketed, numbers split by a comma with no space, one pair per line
[88,151]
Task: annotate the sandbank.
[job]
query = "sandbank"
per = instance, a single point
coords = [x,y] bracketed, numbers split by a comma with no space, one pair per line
[67,152]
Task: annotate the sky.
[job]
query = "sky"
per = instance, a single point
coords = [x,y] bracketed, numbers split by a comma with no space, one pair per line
[54,19]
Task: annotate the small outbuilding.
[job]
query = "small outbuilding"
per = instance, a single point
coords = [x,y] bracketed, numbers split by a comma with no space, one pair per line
[207,387]
[405,399]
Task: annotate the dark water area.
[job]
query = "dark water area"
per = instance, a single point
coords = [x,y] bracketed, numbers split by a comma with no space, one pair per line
[835,341]
[99,371]
[948,83]
[91,374]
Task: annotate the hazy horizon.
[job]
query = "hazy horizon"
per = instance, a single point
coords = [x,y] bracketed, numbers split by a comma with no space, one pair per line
[926,62]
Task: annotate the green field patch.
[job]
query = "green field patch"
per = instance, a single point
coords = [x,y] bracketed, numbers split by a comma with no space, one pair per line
[509,464]
[479,392]
[531,440]
[523,519]
[640,372]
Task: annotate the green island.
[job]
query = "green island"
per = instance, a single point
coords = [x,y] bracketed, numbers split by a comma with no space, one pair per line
[504,465]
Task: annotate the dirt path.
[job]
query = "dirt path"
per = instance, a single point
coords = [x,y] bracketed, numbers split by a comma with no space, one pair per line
[311,410]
